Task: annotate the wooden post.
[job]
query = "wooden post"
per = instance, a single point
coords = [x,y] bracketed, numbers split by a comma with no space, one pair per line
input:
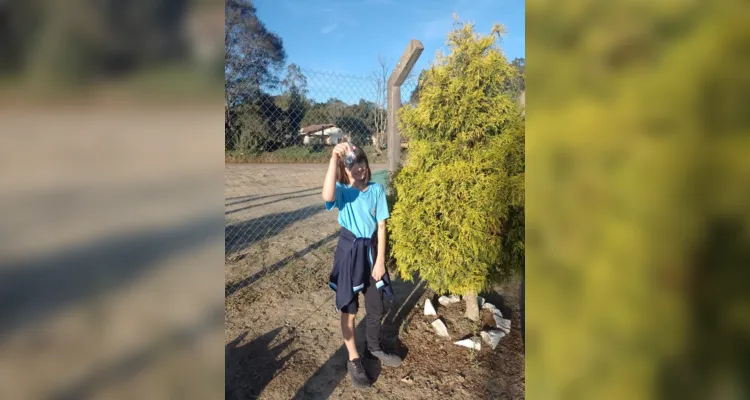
[398,76]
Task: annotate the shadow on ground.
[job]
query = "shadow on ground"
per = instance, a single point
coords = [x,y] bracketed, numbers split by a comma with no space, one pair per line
[236,210]
[252,366]
[240,235]
[245,199]
[134,363]
[327,378]
[233,287]
[45,284]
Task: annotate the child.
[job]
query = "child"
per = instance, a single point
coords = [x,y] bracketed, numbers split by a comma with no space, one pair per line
[359,261]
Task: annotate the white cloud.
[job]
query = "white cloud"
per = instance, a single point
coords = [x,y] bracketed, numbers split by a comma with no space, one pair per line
[329,28]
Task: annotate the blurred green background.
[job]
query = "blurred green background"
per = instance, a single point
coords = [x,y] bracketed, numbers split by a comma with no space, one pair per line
[142,47]
[638,200]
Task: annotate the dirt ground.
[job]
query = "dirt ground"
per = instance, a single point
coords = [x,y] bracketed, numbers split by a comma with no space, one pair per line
[281,329]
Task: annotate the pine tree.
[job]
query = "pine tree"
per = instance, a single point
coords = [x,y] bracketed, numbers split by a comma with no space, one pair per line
[458,221]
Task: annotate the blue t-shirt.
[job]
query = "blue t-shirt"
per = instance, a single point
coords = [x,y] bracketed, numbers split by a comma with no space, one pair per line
[360,212]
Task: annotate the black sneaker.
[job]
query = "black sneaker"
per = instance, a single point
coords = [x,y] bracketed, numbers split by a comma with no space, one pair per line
[390,360]
[360,380]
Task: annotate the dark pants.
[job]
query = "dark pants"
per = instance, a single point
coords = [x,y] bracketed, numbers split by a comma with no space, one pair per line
[373,313]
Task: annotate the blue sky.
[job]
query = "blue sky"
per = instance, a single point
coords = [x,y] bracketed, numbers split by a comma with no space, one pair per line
[346,36]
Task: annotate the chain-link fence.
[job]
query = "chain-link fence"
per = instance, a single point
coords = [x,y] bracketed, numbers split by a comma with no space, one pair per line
[278,143]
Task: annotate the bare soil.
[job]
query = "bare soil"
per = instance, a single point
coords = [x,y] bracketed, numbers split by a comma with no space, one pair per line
[282,332]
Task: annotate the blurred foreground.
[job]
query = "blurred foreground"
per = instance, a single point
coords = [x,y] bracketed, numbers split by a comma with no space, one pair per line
[111,250]
[638,186]
[111,278]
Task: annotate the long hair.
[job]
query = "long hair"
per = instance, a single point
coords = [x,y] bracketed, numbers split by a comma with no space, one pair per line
[341,176]
[359,156]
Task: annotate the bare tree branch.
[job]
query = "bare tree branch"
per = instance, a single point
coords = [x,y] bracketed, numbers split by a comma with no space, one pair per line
[380,79]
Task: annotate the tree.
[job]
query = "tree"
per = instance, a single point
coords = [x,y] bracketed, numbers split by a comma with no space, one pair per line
[458,219]
[253,57]
[294,106]
[317,114]
[253,54]
[295,80]
[518,83]
[253,135]
[254,125]
[336,108]
[380,80]
[414,98]
[356,128]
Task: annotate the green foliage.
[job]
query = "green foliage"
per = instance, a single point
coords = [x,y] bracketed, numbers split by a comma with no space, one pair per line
[356,128]
[519,83]
[514,84]
[458,218]
[252,131]
[464,94]
[293,114]
[639,200]
[260,121]
[252,136]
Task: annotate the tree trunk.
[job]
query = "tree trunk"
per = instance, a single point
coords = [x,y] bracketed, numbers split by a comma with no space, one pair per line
[472,306]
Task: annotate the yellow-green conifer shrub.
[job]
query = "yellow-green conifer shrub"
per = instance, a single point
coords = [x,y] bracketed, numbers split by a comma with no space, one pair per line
[458,221]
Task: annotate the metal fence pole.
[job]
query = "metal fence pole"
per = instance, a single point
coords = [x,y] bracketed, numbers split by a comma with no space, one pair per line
[398,76]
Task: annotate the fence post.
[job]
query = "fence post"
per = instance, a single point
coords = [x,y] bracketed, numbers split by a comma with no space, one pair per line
[398,76]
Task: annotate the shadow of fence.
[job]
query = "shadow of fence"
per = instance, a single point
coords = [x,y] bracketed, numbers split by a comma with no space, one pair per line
[233,287]
[245,199]
[240,235]
[44,284]
[132,364]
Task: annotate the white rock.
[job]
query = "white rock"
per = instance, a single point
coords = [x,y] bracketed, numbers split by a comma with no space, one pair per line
[497,316]
[428,308]
[490,306]
[502,323]
[472,343]
[492,337]
[440,328]
[447,300]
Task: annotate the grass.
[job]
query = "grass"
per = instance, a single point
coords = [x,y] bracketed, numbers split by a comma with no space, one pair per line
[295,154]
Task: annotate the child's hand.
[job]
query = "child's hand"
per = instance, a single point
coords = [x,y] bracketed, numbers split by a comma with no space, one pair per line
[378,270]
[340,150]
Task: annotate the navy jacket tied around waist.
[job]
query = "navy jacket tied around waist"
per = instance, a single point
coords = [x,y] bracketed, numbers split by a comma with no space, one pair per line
[352,266]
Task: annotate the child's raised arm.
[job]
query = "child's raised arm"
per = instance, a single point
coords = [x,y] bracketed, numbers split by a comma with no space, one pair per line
[329,185]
